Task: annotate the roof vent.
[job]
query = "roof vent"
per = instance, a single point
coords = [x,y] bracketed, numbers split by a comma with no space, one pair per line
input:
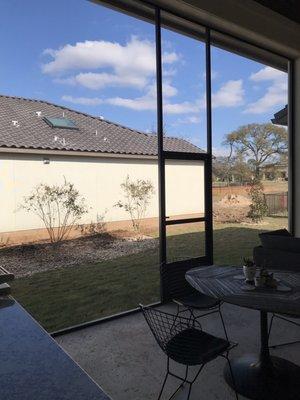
[15,123]
[61,141]
[38,113]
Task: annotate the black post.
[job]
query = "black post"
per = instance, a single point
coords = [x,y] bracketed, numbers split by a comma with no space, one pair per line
[161,160]
[264,333]
[208,164]
[291,148]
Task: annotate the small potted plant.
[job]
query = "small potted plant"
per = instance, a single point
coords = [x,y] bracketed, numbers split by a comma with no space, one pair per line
[266,279]
[249,269]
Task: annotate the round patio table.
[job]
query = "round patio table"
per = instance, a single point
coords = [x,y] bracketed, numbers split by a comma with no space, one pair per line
[256,376]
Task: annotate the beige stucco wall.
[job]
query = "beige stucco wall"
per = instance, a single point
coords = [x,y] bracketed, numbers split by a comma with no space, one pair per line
[98,180]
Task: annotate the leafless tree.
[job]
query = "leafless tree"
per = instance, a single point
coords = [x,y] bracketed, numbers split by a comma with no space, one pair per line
[59,207]
[137,195]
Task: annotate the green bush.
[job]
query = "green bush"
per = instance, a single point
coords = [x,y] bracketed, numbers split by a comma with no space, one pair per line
[258,207]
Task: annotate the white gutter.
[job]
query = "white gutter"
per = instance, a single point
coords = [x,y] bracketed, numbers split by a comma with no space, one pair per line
[71,153]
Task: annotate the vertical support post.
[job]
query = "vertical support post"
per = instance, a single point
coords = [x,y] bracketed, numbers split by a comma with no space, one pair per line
[291,148]
[264,337]
[208,164]
[161,160]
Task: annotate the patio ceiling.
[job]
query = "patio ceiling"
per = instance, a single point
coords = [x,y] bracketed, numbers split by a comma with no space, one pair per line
[287,8]
[247,20]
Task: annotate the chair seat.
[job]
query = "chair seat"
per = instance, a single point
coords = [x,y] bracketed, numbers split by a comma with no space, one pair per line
[197,301]
[194,347]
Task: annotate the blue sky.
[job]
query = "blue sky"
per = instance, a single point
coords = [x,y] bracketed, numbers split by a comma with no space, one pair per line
[102,62]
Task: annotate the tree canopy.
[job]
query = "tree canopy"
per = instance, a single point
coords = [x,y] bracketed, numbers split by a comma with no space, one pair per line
[258,143]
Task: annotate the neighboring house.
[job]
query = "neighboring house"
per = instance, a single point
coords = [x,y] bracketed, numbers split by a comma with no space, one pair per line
[44,142]
[275,171]
[281,117]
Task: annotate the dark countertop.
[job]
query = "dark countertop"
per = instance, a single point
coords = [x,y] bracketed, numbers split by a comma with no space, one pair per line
[33,366]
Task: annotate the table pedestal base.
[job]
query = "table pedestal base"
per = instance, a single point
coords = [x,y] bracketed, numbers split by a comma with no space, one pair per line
[277,380]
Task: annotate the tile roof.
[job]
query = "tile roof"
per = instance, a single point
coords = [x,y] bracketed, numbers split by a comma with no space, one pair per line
[94,134]
[281,117]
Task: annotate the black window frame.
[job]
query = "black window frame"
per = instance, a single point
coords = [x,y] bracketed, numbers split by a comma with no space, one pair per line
[172,275]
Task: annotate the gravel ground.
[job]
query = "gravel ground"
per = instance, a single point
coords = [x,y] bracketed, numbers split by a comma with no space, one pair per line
[28,259]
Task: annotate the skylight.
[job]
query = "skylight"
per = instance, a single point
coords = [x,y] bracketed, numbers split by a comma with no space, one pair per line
[60,123]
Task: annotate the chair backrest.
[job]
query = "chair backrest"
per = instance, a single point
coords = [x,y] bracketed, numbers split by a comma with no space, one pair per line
[165,326]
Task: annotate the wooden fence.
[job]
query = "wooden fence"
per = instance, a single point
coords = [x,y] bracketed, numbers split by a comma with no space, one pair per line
[277,203]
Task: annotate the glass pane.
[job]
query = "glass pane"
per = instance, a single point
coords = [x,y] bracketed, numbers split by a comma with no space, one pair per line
[185,188]
[185,241]
[250,153]
[184,91]
[95,82]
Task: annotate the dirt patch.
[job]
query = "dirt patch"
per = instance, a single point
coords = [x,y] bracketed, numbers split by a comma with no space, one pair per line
[28,259]
[234,200]
[231,208]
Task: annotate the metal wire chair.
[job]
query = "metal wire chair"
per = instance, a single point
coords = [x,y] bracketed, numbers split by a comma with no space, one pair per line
[284,318]
[201,303]
[182,340]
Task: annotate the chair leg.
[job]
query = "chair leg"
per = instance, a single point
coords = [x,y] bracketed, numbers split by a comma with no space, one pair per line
[189,393]
[193,381]
[183,380]
[165,380]
[232,376]
[270,326]
[223,323]
[274,346]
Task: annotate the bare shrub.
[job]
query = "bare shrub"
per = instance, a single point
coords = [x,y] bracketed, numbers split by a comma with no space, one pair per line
[59,207]
[137,195]
[4,242]
[93,228]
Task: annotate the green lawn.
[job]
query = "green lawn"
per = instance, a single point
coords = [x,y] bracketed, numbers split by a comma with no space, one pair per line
[69,296]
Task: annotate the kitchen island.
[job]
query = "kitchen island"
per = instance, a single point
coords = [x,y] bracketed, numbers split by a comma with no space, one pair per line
[33,366]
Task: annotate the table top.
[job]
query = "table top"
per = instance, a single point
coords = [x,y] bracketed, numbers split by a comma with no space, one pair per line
[226,283]
[33,366]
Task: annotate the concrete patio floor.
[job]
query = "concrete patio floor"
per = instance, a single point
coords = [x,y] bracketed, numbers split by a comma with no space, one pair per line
[123,357]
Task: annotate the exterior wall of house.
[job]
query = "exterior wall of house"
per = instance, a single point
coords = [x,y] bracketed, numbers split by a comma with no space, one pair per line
[98,180]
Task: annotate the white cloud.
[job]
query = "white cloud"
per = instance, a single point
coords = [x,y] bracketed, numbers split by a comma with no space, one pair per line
[191,119]
[267,74]
[168,90]
[95,81]
[170,58]
[145,102]
[136,54]
[132,64]
[230,94]
[98,64]
[276,93]
[139,104]
[220,151]
[86,101]
[185,107]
